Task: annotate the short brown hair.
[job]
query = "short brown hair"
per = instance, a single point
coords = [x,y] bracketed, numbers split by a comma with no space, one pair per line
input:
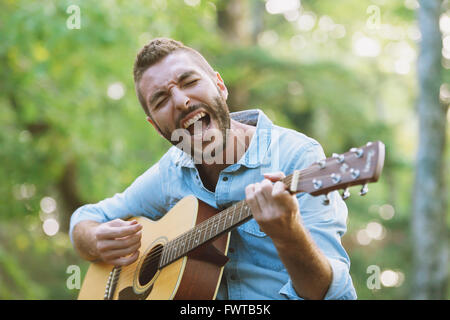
[155,51]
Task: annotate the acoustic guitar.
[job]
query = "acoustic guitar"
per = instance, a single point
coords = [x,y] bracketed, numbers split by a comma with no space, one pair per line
[183,254]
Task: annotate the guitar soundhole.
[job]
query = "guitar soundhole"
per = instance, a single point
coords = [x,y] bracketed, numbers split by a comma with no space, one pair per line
[150,265]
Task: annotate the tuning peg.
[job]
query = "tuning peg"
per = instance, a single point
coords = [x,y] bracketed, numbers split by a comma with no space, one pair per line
[327,200]
[364,190]
[336,177]
[345,194]
[354,173]
[338,157]
[321,163]
[358,151]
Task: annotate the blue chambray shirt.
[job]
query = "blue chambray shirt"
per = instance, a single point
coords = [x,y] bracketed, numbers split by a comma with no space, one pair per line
[254,271]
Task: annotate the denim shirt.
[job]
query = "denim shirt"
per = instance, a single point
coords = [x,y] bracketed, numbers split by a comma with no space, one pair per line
[254,271]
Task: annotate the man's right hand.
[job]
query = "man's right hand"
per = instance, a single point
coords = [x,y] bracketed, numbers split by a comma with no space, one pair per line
[118,241]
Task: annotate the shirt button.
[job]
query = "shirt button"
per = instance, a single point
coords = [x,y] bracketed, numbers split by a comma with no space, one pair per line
[225,178]
[231,250]
[233,277]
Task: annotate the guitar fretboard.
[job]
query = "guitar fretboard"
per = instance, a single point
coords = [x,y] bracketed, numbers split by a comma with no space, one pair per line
[206,231]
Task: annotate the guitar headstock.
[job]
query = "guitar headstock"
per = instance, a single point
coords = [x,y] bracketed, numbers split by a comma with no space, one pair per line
[359,166]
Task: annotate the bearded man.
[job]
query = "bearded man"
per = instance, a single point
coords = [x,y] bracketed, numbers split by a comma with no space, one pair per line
[291,249]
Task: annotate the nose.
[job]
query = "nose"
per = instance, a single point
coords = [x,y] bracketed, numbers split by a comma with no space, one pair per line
[180,99]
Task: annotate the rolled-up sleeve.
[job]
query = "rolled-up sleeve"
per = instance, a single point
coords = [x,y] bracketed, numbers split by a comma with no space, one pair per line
[326,225]
[144,197]
[341,287]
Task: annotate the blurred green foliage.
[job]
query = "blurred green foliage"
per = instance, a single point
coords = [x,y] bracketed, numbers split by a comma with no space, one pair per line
[65,138]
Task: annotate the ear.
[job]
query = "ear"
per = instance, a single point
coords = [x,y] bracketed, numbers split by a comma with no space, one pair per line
[154,126]
[221,85]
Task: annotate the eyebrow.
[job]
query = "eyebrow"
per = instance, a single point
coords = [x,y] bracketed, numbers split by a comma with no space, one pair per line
[162,92]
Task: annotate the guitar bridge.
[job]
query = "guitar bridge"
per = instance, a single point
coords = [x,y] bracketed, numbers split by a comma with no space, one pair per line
[112,283]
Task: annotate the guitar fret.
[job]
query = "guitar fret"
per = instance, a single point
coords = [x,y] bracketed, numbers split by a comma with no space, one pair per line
[234,215]
[197,234]
[176,248]
[183,244]
[217,224]
[224,220]
[204,231]
[211,229]
[171,250]
[164,258]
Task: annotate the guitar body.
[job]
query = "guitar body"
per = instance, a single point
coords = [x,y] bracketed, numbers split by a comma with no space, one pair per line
[195,276]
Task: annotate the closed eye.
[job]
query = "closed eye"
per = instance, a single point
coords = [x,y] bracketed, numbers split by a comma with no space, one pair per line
[160,103]
[190,83]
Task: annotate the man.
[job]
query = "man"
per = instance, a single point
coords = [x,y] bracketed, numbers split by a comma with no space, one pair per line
[290,250]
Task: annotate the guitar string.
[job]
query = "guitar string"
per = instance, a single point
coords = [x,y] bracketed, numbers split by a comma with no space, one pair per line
[155,256]
[190,235]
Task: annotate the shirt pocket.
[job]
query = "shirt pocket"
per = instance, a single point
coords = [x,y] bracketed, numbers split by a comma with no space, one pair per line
[259,247]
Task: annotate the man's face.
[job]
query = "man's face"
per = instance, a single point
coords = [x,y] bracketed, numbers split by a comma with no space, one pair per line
[180,94]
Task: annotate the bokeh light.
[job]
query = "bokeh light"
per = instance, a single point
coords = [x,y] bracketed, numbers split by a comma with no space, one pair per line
[50,227]
[282,6]
[24,191]
[386,212]
[48,204]
[364,46]
[390,278]
[192,3]
[375,230]
[363,238]
[306,21]
[116,90]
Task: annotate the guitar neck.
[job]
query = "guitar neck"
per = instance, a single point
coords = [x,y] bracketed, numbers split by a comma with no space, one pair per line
[208,230]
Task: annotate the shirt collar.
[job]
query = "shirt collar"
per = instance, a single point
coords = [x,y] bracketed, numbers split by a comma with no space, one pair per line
[255,154]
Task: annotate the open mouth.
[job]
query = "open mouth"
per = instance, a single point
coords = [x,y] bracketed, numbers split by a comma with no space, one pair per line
[201,121]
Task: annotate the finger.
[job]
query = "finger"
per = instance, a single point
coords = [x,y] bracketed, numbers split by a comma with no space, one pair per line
[274,176]
[108,232]
[120,223]
[250,198]
[121,243]
[264,194]
[118,253]
[279,189]
[124,261]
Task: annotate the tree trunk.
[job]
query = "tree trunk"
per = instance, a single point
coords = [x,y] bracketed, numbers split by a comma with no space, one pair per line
[429,230]
[235,22]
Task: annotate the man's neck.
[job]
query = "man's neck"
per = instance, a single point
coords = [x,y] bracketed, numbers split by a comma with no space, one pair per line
[238,141]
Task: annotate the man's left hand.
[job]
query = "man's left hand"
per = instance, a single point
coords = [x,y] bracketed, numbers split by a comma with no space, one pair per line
[273,207]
